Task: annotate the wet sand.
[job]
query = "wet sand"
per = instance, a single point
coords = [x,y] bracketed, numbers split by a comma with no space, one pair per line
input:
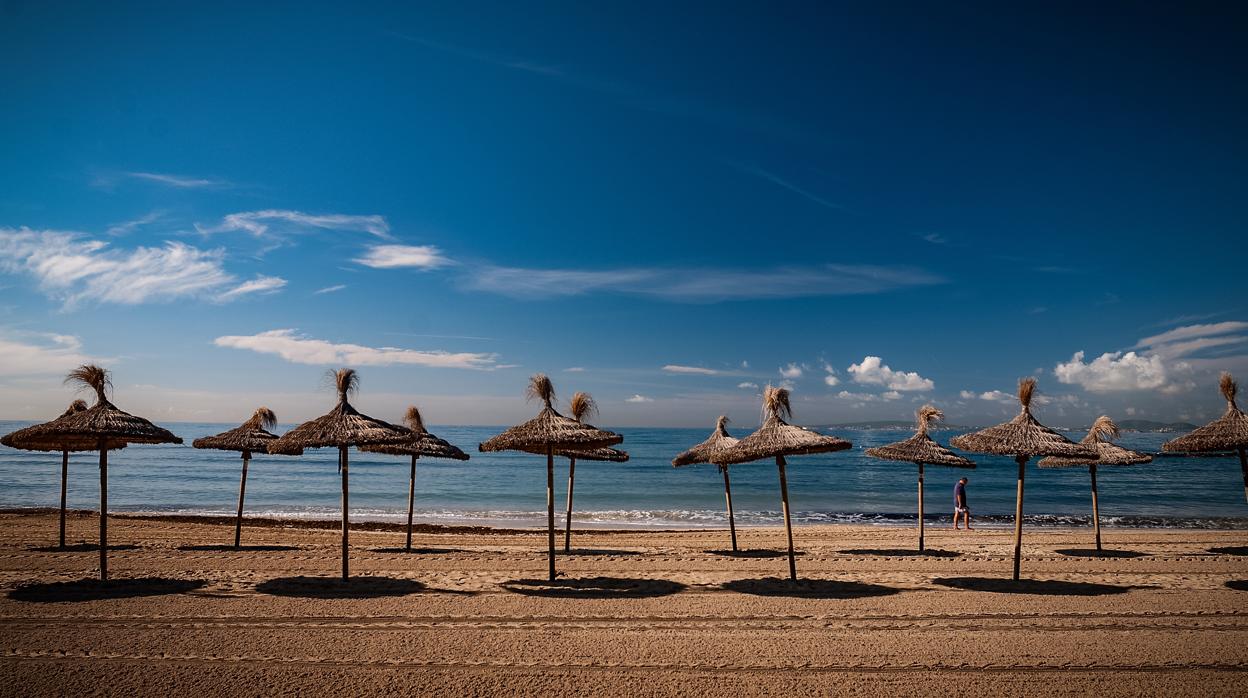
[638,613]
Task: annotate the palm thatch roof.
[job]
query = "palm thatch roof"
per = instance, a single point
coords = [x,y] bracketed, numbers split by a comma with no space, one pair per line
[777,437]
[419,441]
[582,406]
[549,428]
[34,438]
[1226,433]
[343,426]
[718,441]
[1103,429]
[920,448]
[1023,435]
[253,436]
[103,420]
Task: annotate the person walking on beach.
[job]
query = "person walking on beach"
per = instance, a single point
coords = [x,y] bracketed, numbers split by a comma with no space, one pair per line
[959,504]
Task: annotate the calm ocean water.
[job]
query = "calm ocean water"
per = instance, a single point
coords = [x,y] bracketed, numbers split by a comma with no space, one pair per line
[509,489]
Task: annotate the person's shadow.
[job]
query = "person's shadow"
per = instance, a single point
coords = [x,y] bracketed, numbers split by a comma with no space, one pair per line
[1041,587]
[96,590]
[339,588]
[808,588]
[594,588]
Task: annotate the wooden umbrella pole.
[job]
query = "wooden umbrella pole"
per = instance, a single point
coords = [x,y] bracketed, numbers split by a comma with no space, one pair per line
[567,531]
[1018,515]
[921,507]
[550,508]
[242,490]
[411,501]
[64,478]
[732,523]
[1243,466]
[788,525]
[342,460]
[1096,510]
[103,511]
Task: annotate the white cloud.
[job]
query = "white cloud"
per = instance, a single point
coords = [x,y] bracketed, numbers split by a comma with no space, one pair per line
[1192,332]
[697,285]
[176,181]
[747,385]
[574,369]
[39,353]
[261,223]
[296,348]
[1131,411]
[403,256]
[830,378]
[74,269]
[329,289]
[639,398]
[791,371]
[997,396]
[891,395]
[696,370]
[859,397]
[873,371]
[1112,372]
[127,227]
[967,395]
[260,284]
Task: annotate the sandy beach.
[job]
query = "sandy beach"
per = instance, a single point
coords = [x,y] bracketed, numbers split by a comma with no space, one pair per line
[646,613]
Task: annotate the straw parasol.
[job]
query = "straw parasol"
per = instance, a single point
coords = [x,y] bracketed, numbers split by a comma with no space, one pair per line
[102,423]
[1103,429]
[1022,437]
[18,439]
[777,439]
[419,443]
[550,432]
[1226,433]
[341,428]
[702,453]
[582,407]
[253,436]
[920,449]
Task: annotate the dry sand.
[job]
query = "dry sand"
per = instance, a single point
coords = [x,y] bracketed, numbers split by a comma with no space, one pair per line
[640,613]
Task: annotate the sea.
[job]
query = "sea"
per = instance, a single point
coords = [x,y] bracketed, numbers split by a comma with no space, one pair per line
[508,490]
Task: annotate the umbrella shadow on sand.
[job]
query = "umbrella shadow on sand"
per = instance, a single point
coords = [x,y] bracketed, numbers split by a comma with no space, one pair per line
[901,552]
[808,588]
[594,551]
[80,548]
[1232,550]
[594,588]
[338,588]
[95,590]
[1237,584]
[1039,587]
[1093,552]
[418,551]
[239,549]
[760,553]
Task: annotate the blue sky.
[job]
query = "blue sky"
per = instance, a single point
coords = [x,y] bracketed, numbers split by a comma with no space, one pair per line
[667,207]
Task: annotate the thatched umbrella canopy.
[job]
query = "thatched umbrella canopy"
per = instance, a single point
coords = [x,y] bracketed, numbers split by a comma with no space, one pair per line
[1226,433]
[419,443]
[551,432]
[33,438]
[104,423]
[341,428]
[582,407]
[920,449]
[1103,429]
[1022,437]
[777,439]
[252,436]
[702,453]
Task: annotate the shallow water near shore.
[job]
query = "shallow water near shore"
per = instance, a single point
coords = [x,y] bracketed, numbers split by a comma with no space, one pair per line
[509,489]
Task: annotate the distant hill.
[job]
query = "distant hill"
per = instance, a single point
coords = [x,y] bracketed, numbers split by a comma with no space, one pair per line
[889,424]
[1154,427]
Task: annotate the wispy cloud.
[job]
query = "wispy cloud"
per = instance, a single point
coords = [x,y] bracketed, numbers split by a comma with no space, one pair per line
[695,370]
[300,349]
[935,238]
[697,285]
[177,181]
[41,353]
[127,227]
[786,184]
[639,398]
[261,284]
[791,371]
[574,369]
[403,256]
[1190,332]
[329,289]
[277,222]
[74,269]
